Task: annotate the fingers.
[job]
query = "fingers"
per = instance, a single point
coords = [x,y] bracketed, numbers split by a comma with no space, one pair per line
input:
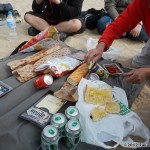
[92,55]
[88,57]
[128,73]
[130,79]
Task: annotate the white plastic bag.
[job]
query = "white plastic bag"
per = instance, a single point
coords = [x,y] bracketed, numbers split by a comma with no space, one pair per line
[116,127]
[110,54]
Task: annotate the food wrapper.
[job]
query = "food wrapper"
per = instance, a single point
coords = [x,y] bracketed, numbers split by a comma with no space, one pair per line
[67,92]
[43,44]
[50,32]
[59,66]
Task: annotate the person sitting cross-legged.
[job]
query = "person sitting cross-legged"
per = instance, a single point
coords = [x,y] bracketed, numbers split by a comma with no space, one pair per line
[63,14]
[115,8]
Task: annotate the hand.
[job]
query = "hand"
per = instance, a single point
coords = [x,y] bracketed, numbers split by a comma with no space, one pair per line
[39,1]
[137,76]
[94,54]
[124,34]
[56,1]
[136,31]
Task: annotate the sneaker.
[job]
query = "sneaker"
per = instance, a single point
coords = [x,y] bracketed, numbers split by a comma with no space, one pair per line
[32,31]
[62,36]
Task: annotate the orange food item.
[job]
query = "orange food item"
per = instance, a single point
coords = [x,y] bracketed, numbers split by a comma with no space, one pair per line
[78,74]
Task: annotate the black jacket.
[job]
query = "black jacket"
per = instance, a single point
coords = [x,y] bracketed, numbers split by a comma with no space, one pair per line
[55,13]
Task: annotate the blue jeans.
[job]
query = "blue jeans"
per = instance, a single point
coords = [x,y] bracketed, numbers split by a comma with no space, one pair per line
[105,20]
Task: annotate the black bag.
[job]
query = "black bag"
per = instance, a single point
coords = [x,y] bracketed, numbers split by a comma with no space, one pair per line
[91,17]
[19,46]
[4,8]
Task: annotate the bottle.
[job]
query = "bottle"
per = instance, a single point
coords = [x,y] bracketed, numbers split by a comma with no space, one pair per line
[11,24]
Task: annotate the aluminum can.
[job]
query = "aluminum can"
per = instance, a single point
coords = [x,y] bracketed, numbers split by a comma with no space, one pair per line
[43,81]
[49,138]
[101,72]
[72,132]
[59,121]
[72,113]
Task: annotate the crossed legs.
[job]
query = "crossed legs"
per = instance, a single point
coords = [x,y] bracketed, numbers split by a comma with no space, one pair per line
[40,24]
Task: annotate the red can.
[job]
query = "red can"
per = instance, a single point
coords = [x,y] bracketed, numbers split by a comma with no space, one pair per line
[43,81]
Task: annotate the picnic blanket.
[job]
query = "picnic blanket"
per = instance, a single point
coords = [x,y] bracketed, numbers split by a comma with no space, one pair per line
[17,134]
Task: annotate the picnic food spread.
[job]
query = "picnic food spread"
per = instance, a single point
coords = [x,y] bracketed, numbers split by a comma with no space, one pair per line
[53,62]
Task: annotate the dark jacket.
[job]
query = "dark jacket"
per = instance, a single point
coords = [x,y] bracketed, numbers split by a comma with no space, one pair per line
[55,13]
[116,7]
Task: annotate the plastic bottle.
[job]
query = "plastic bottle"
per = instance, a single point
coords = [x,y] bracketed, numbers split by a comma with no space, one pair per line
[11,24]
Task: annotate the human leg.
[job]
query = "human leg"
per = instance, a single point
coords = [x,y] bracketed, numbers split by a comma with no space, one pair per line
[36,21]
[103,23]
[71,26]
[142,60]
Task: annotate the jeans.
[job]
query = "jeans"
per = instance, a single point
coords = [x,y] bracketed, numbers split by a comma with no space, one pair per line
[106,20]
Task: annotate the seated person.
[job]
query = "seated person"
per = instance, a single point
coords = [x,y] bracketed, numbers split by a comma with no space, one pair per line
[140,10]
[63,14]
[114,9]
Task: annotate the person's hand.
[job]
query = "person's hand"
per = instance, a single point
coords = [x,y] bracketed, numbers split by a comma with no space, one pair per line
[137,76]
[94,54]
[124,34]
[39,1]
[56,1]
[136,31]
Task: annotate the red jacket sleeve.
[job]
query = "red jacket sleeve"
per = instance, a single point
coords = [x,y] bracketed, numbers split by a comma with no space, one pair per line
[125,22]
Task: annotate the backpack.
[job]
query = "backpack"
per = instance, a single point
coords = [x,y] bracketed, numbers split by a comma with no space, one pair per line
[91,17]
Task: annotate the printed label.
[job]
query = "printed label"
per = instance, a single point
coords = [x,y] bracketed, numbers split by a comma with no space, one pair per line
[58,118]
[74,124]
[52,132]
[123,108]
[72,111]
[11,25]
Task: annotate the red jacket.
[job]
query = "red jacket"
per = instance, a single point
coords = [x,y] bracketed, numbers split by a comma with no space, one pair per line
[137,11]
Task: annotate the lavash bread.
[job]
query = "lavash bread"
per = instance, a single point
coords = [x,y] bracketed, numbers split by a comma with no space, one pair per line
[112,108]
[98,114]
[25,73]
[32,59]
[23,69]
[78,74]
[98,96]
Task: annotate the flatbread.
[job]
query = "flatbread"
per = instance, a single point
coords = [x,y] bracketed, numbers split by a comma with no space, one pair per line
[98,114]
[98,96]
[112,108]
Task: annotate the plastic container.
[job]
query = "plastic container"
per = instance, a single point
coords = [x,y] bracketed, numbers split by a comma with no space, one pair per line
[11,24]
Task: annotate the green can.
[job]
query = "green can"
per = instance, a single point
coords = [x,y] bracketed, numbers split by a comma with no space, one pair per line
[59,121]
[72,113]
[72,132]
[49,138]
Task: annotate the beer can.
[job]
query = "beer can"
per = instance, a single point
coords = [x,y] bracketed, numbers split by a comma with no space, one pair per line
[49,138]
[72,132]
[59,121]
[72,113]
[43,81]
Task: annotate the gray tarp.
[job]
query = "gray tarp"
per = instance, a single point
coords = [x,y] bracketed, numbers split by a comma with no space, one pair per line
[17,134]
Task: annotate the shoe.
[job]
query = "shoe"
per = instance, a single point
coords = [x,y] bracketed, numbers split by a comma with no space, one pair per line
[62,36]
[32,31]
